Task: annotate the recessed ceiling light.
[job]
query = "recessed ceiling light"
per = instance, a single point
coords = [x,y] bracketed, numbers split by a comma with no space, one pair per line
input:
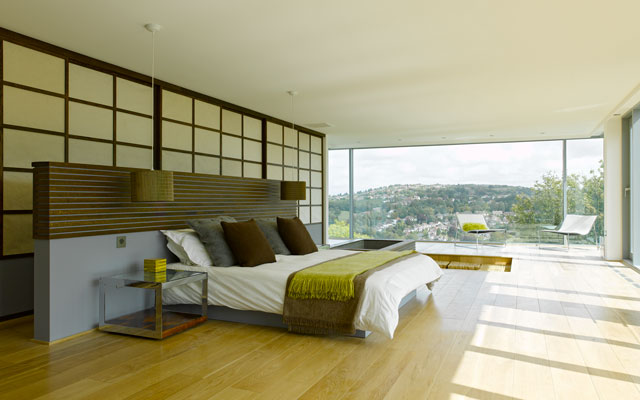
[616,115]
[318,125]
[491,135]
[153,28]
[542,133]
[444,137]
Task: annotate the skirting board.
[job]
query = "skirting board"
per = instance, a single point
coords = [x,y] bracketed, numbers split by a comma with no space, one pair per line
[221,313]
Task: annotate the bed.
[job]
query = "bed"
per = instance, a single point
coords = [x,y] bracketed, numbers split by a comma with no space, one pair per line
[262,288]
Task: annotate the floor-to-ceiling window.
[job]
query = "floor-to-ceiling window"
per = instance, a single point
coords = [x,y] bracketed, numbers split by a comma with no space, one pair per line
[585,184]
[338,194]
[415,192]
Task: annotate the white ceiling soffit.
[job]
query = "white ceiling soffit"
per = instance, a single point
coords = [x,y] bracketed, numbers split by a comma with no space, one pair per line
[379,72]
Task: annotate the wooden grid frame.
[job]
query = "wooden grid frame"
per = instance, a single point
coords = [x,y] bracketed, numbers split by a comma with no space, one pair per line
[70,57]
[298,167]
[220,131]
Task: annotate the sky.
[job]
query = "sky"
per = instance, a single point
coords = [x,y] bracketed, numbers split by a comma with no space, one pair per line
[518,164]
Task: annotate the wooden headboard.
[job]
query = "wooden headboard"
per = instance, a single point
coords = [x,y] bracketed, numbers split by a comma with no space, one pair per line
[72,200]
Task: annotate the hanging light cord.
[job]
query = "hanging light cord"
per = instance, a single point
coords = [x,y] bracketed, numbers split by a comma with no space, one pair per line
[153,73]
[293,124]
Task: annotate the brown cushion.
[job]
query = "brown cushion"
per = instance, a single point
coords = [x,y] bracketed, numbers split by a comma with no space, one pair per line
[248,244]
[295,236]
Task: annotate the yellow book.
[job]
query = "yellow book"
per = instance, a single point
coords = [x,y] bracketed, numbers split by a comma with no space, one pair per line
[155,277]
[155,269]
[155,264]
[155,261]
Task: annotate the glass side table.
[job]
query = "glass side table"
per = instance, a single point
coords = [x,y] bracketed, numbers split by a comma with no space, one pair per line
[154,322]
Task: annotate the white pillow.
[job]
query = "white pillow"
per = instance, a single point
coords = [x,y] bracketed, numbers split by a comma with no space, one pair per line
[186,245]
[176,249]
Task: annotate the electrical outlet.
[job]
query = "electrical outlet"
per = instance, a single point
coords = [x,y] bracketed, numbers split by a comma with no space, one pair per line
[121,241]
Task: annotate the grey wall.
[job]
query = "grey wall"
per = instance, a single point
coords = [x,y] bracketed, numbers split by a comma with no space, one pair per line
[315,230]
[66,278]
[16,285]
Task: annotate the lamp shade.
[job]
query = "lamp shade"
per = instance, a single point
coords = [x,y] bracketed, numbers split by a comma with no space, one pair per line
[293,190]
[152,186]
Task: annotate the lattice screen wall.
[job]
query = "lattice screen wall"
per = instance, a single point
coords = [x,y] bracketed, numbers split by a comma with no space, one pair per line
[205,138]
[52,108]
[292,156]
[56,110]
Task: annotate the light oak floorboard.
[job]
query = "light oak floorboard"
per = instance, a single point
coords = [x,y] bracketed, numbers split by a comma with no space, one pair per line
[561,325]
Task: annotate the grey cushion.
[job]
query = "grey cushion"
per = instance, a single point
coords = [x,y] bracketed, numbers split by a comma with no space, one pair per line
[212,236]
[269,227]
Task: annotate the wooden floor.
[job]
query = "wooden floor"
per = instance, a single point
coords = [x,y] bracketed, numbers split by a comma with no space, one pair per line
[560,325]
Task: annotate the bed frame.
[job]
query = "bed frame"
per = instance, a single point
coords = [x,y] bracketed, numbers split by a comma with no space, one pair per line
[221,313]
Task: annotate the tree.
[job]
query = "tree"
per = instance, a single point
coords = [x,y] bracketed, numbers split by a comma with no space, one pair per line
[585,195]
[340,230]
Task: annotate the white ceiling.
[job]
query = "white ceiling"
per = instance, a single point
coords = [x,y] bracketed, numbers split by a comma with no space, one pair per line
[382,72]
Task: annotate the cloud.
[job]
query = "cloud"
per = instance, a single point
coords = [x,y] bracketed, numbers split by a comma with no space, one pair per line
[517,164]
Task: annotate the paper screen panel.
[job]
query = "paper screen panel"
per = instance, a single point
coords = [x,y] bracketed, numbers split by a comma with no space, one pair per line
[304,214]
[252,128]
[33,110]
[231,122]
[303,175]
[207,115]
[316,162]
[133,129]
[316,179]
[231,146]
[274,133]
[133,157]
[290,137]
[175,161]
[290,174]
[32,68]
[18,190]
[207,141]
[290,157]
[90,85]
[307,199]
[316,144]
[90,121]
[21,148]
[252,150]
[133,96]
[17,237]
[207,165]
[303,159]
[274,172]
[316,214]
[274,153]
[252,170]
[176,106]
[316,197]
[304,141]
[90,152]
[231,168]
[176,136]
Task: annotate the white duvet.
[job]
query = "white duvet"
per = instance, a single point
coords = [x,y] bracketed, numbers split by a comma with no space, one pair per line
[262,288]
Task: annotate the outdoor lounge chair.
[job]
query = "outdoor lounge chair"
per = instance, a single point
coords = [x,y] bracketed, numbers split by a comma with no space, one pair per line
[578,225]
[475,224]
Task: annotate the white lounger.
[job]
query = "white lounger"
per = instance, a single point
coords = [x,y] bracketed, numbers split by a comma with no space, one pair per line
[578,225]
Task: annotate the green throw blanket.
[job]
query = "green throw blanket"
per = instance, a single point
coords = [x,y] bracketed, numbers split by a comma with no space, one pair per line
[472,226]
[333,280]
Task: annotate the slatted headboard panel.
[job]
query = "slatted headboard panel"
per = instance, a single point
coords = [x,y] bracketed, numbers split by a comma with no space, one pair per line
[72,200]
